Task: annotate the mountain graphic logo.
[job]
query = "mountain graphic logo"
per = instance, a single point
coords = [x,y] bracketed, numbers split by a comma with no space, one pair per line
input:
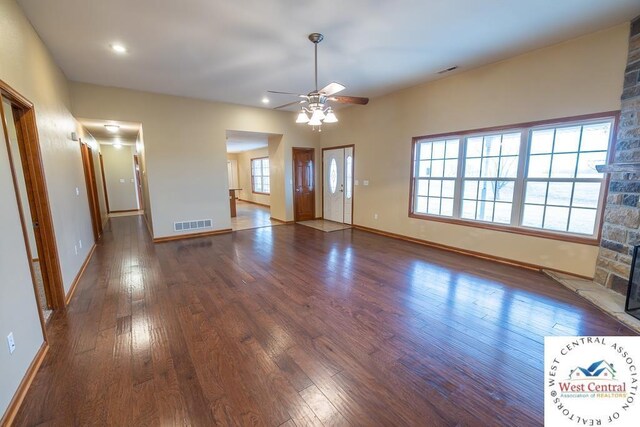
[600,370]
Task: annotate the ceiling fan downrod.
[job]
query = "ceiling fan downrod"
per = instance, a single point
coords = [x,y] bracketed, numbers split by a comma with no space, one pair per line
[315,39]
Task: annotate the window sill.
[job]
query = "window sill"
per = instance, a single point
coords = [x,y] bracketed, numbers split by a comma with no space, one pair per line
[264,194]
[586,240]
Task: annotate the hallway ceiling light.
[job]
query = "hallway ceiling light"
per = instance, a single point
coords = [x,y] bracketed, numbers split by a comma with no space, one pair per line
[112,128]
[265,100]
[118,48]
[117,145]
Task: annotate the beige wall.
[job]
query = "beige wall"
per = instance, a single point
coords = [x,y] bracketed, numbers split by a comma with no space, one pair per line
[26,65]
[185,149]
[576,77]
[119,175]
[244,176]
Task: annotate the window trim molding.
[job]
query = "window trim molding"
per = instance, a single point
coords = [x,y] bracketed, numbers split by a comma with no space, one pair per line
[252,183]
[508,228]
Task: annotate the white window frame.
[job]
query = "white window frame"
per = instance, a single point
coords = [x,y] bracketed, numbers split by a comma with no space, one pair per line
[521,179]
[261,176]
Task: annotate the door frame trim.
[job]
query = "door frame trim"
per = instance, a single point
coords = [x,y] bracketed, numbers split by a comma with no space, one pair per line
[104,184]
[86,152]
[31,156]
[353,177]
[293,164]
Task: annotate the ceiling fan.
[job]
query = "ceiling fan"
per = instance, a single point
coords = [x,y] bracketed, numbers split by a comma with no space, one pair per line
[315,109]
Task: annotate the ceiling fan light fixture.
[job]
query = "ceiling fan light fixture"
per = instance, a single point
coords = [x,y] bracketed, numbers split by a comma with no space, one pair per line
[318,115]
[314,121]
[302,117]
[330,117]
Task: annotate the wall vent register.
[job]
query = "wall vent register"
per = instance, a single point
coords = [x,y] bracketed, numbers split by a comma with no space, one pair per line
[192,225]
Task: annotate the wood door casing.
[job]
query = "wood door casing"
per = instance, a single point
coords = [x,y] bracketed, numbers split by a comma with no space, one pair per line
[304,190]
[136,161]
[92,189]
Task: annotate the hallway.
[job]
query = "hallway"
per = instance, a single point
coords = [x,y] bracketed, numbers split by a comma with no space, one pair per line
[293,326]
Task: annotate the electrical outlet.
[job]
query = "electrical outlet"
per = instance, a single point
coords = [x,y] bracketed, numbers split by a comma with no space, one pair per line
[365,182]
[77,191]
[80,243]
[75,247]
[375,216]
[356,182]
[11,343]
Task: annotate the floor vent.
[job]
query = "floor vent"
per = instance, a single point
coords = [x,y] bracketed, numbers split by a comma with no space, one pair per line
[192,225]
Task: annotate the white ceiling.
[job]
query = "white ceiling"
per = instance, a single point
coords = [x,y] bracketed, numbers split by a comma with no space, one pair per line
[126,135]
[234,51]
[239,141]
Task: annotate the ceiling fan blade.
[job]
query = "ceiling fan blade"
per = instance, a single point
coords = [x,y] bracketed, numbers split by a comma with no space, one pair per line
[332,88]
[286,105]
[285,93]
[350,100]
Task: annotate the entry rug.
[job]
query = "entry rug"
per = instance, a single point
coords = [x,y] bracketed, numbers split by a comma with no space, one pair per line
[324,225]
[591,381]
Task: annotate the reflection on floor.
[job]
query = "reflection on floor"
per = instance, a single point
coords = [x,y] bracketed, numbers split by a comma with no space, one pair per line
[325,225]
[119,214]
[46,312]
[249,215]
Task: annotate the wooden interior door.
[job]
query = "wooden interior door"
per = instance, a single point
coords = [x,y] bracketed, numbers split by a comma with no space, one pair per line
[138,182]
[92,189]
[22,115]
[304,191]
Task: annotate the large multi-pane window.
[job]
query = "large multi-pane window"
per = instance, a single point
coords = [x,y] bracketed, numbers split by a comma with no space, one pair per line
[436,171]
[530,177]
[260,175]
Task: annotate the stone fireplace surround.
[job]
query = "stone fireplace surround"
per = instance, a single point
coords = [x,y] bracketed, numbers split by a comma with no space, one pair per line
[621,225]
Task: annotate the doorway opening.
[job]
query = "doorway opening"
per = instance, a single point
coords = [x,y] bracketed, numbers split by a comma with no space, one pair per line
[249,178]
[87,154]
[116,166]
[337,183]
[25,160]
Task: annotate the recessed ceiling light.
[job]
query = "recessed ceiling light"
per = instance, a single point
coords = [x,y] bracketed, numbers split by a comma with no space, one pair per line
[112,128]
[265,100]
[117,145]
[118,48]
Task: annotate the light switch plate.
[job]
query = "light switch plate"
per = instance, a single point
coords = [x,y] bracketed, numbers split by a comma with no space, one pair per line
[11,343]
[365,182]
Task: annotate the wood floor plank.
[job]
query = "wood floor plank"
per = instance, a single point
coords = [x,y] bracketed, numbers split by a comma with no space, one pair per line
[291,326]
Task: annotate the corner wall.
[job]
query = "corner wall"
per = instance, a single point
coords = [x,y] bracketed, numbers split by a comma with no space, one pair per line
[576,77]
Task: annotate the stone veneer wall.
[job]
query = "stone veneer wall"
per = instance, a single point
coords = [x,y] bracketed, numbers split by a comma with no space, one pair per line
[621,228]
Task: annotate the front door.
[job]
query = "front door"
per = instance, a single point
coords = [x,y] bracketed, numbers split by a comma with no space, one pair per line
[337,183]
[304,192]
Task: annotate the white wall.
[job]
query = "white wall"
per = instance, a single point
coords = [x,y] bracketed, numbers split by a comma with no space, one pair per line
[580,76]
[185,149]
[119,175]
[26,65]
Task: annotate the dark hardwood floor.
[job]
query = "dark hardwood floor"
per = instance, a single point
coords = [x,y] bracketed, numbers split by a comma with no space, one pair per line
[293,326]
